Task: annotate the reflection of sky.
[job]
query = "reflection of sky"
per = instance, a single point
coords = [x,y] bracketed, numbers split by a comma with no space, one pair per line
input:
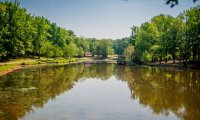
[101,18]
[95,99]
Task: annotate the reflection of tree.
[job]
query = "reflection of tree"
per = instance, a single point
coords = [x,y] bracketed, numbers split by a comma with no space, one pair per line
[22,90]
[163,90]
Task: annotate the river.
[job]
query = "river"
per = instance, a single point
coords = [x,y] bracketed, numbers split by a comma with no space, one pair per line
[100,92]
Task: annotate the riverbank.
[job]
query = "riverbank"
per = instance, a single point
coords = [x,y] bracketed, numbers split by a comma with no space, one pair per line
[177,64]
[8,69]
[16,64]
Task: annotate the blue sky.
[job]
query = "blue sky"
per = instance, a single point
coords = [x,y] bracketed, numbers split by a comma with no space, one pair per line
[102,18]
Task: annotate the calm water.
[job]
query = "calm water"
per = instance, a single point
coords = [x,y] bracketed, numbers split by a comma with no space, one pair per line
[100,92]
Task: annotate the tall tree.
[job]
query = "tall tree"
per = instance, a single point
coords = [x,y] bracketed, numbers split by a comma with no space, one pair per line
[106,48]
[192,17]
[42,26]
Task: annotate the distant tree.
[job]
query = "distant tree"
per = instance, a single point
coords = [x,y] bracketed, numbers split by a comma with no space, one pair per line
[134,32]
[120,44]
[128,52]
[80,52]
[105,48]
[93,43]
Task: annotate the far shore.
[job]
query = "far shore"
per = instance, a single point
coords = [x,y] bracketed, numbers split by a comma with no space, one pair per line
[13,65]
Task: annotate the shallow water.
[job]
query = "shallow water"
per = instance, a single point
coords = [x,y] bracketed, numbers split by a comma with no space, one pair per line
[100,92]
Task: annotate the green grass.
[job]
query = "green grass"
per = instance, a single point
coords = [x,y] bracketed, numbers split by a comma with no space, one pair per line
[58,60]
[49,60]
[13,63]
[6,67]
[28,61]
[32,63]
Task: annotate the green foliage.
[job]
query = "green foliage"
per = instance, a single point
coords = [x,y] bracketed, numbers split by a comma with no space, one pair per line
[193,32]
[13,27]
[22,34]
[120,44]
[166,38]
[80,52]
[94,43]
[48,49]
[128,52]
[42,25]
[70,50]
[146,56]
[162,38]
[105,48]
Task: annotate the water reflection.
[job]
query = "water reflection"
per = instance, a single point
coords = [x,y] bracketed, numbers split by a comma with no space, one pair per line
[163,90]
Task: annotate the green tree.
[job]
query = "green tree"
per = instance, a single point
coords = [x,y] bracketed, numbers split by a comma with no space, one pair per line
[58,35]
[93,43]
[80,52]
[3,30]
[175,37]
[128,52]
[16,30]
[105,48]
[120,44]
[42,26]
[70,50]
[147,36]
[193,32]
[48,49]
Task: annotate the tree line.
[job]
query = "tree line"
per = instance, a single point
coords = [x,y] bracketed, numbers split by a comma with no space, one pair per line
[164,38]
[26,35]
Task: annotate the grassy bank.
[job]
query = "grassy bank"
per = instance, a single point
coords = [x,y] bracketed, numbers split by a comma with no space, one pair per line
[22,62]
[13,63]
[7,67]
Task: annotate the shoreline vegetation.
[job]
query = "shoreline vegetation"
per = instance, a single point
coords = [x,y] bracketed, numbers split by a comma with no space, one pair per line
[16,64]
[162,41]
